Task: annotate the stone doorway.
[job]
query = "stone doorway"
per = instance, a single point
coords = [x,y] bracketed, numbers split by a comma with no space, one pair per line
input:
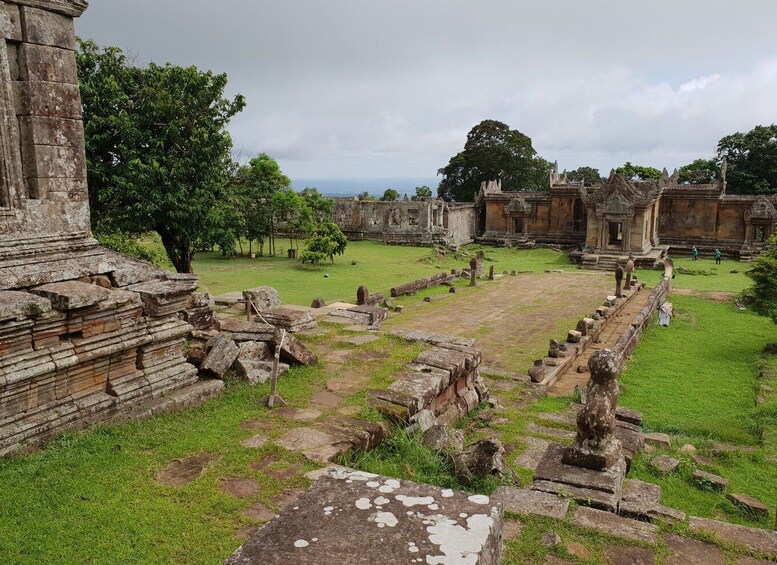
[481,219]
[615,239]
[517,225]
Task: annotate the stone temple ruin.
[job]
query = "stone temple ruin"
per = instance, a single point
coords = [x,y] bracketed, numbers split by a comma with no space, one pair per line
[85,333]
[606,222]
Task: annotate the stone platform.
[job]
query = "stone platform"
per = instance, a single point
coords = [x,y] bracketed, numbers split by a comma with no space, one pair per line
[349,517]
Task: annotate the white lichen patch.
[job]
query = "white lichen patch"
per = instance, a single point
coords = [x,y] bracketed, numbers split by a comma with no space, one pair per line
[479,499]
[415,500]
[381,501]
[363,503]
[385,519]
[447,493]
[459,545]
[389,486]
[373,484]
[301,543]
[433,507]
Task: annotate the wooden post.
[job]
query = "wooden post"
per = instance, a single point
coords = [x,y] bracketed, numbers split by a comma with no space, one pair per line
[271,399]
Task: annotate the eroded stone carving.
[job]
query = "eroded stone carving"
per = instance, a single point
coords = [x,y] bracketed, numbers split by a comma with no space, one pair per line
[596,446]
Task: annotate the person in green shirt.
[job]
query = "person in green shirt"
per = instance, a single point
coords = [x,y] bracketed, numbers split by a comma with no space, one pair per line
[695,253]
[717,256]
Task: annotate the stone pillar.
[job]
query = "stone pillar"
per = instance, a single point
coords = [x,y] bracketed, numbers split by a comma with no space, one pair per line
[473,271]
[596,446]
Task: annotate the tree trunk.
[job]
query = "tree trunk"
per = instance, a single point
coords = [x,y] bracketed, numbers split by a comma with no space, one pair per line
[179,252]
[240,245]
[250,247]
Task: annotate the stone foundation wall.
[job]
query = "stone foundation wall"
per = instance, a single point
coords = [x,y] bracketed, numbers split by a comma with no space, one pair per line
[444,380]
[86,334]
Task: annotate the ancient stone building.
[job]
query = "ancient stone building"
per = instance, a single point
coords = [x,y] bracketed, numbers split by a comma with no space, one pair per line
[421,222]
[85,334]
[620,217]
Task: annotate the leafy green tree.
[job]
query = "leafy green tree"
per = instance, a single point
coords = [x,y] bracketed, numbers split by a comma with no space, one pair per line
[585,175]
[751,160]
[320,205]
[390,195]
[764,275]
[325,242]
[366,196]
[166,152]
[128,245]
[259,180]
[638,172]
[422,193]
[700,171]
[493,151]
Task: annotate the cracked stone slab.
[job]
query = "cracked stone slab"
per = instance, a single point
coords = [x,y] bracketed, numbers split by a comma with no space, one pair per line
[413,523]
[614,525]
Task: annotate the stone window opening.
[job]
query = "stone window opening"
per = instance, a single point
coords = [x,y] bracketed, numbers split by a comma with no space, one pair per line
[759,233]
[11,183]
[517,225]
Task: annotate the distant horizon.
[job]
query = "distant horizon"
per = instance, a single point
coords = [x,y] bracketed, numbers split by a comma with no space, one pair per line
[375,186]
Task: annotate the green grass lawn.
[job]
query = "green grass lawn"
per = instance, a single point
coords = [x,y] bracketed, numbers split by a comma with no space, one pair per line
[369,263]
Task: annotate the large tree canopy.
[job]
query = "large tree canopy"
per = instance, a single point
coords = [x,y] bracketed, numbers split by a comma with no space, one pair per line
[158,152]
[493,151]
[638,172]
[585,175]
[701,171]
[751,160]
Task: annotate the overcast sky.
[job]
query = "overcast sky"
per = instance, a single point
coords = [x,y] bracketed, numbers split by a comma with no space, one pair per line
[390,88]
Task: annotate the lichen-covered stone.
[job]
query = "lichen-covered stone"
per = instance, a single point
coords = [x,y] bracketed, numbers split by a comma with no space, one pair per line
[391,519]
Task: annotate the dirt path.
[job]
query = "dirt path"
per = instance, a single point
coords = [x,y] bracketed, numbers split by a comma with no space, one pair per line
[512,318]
[566,383]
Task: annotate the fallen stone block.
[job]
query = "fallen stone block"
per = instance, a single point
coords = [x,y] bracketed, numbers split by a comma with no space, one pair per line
[262,297]
[574,336]
[290,319]
[72,295]
[751,539]
[658,440]
[222,354]
[664,464]
[443,438]
[399,520]
[709,481]
[584,496]
[750,505]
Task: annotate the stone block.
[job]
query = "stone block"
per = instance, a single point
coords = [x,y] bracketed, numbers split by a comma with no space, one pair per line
[10,22]
[72,295]
[709,481]
[47,28]
[263,297]
[533,454]
[531,502]
[584,496]
[423,420]
[222,354]
[664,464]
[289,319]
[686,551]
[658,440]
[614,525]
[387,517]
[15,304]
[51,99]
[750,505]
[629,416]
[574,336]
[39,63]
[50,161]
[751,539]
[42,130]
[551,468]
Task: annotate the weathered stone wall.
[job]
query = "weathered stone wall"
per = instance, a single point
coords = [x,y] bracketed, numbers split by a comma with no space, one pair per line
[460,221]
[404,223]
[86,334]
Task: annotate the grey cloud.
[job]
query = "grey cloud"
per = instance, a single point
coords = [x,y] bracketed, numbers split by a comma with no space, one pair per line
[361,88]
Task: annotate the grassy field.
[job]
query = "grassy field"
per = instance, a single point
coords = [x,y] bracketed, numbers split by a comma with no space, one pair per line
[375,265]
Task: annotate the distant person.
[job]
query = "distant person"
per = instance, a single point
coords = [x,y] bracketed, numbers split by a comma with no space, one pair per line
[695,253]
[717,256]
